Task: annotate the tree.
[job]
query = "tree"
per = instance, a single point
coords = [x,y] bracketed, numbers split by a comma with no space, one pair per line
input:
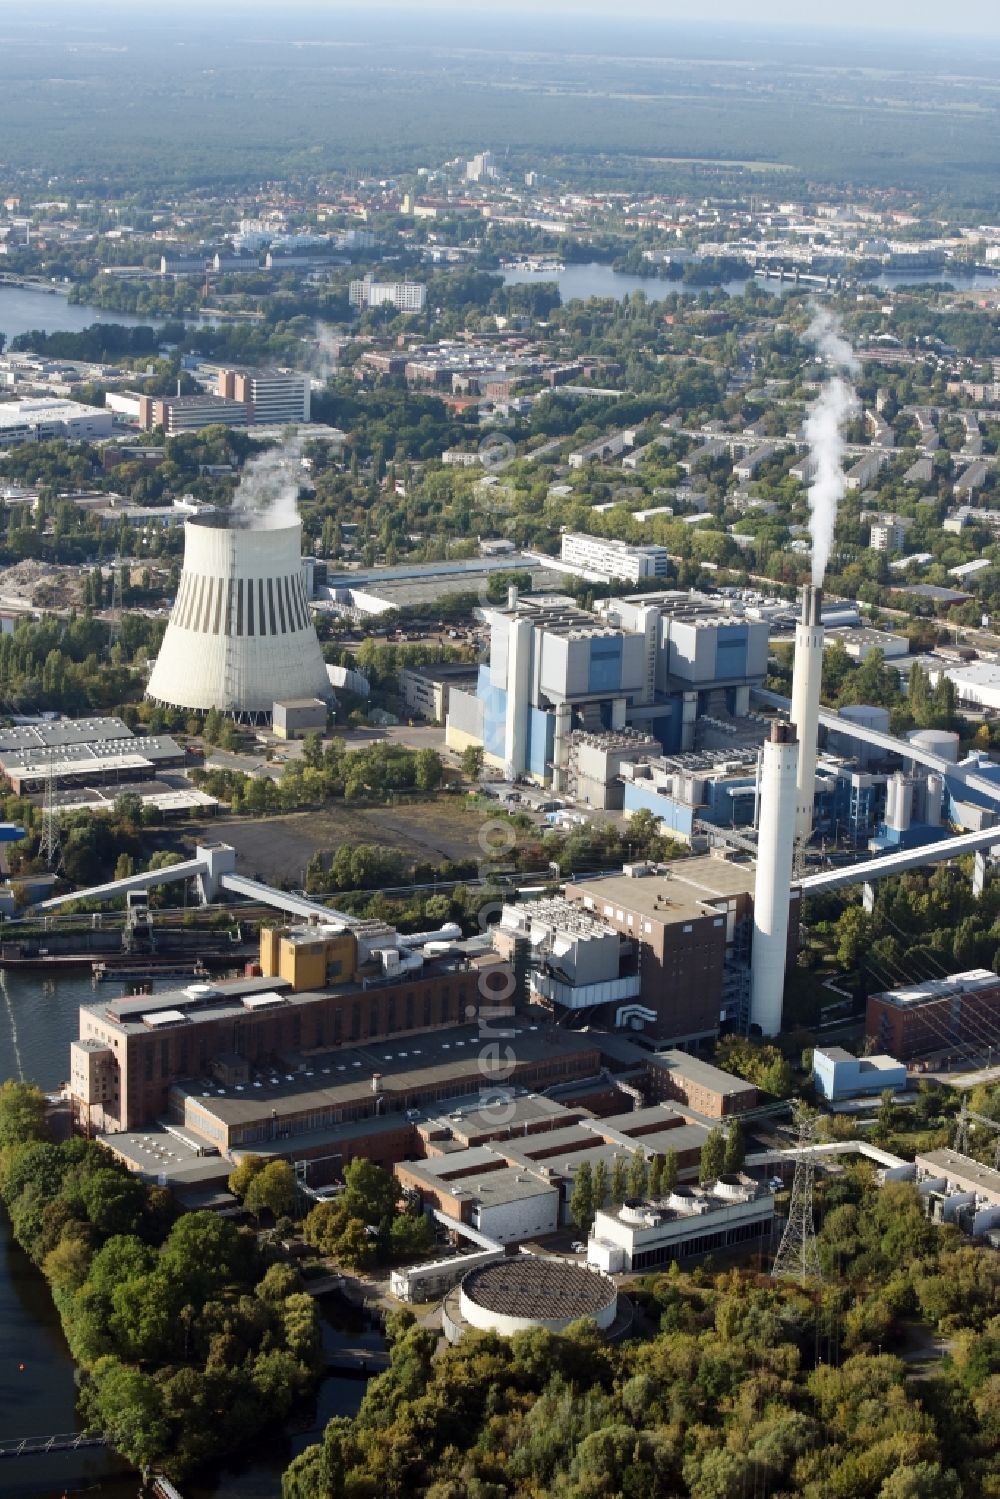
[127,1406]
[713,1157]
[472,761]
[411,1236]
[668,1181]
[619,1180]
[885,1119]
[128,808]
[22,1113]
[581,1202]
[427,770]
[272,1188]
[312,750]
[113,1200]
[243,1174]
[736,1149]
[637,1175]
[371,1193]
[854,936]
[600,1184]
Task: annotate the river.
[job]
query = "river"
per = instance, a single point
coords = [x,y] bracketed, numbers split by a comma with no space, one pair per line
[38,1019]
[596,280]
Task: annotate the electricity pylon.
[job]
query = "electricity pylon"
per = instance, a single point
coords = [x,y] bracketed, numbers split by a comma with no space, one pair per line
[798,1256]
[48,848]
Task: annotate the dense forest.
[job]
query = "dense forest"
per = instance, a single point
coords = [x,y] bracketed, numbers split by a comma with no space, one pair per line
[189,1340]
[880,1384]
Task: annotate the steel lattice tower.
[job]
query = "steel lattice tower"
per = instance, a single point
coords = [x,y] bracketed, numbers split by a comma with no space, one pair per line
[798,1256]
[48,847]
[964,1123]
[115,615]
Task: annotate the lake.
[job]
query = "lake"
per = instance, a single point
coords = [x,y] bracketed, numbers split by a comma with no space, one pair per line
[23,310]
[38,1019]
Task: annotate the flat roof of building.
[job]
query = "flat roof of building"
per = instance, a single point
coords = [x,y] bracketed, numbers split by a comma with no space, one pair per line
[676,892]
[962,1169]
[44,409]
[505,1118]
[911,996]
[698,1072]
[458,1166]
[685,1202]
[408,1064]
[222,998]
[498,1188]
[630,1124]
[59,732]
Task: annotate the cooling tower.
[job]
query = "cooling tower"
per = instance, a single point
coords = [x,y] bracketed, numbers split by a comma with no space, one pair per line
[807,675]
[240,633]
[772,887]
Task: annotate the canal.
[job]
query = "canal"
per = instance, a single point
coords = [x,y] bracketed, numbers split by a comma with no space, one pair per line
[38,1019]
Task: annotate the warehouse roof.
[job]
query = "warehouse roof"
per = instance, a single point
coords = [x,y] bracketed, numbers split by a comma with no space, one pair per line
[414,1065]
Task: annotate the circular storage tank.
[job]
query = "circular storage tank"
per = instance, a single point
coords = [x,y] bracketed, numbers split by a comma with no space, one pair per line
[514,1295]
[940,742]
[865,716]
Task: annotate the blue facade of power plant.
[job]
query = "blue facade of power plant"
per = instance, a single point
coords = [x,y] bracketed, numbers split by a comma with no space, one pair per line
[731,653]
[651,664]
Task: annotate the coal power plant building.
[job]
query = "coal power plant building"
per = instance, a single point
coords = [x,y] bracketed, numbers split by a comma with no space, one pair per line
[240,632]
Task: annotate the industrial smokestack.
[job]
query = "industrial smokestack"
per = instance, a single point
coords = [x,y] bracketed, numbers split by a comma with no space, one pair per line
[240,632]
[772,888]
[807,677]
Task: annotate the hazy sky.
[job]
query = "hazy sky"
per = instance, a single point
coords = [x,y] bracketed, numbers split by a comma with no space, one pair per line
[976,17]
[982,16]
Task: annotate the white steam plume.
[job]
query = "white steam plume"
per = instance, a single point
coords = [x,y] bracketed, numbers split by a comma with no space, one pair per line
[326,355]
[824,429]
[268,493]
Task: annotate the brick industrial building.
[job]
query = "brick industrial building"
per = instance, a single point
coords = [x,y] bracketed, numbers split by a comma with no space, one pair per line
[131,1051]
[959,1010]
[692,923]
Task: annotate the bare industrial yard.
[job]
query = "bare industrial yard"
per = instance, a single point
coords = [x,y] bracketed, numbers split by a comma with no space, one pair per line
[279,847]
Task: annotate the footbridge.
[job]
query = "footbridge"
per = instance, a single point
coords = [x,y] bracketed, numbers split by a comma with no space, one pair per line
[70,1441]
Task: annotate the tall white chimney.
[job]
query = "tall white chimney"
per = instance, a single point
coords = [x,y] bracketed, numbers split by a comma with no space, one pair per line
[772,889]
[807,677]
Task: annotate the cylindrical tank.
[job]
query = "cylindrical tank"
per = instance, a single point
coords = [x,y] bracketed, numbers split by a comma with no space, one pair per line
[899,803]
[807,674]
[863,716]
[933,800]
[773,880]
[240,632]
[941,742]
